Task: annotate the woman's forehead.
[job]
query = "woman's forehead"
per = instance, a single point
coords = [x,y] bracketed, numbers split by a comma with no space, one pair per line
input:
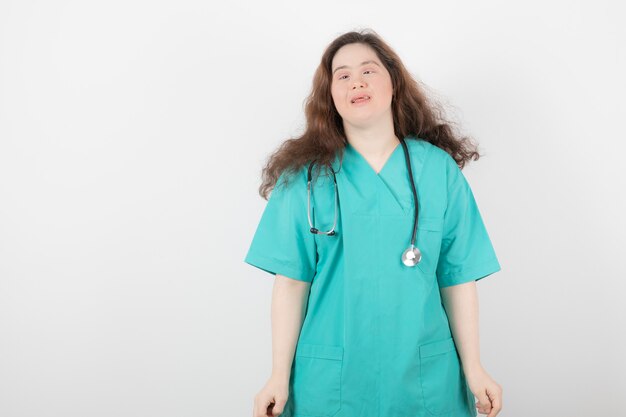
[353,54]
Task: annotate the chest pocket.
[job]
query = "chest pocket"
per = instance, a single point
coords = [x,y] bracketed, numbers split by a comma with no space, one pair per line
[428,241]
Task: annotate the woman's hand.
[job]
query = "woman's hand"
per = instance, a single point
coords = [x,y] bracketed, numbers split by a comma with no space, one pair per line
[486,390]
[271,400]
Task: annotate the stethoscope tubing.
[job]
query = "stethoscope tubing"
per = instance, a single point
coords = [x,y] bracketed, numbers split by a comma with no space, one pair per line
[412,255]
[415,215]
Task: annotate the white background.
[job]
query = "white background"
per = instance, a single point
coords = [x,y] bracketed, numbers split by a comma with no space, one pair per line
[132,134]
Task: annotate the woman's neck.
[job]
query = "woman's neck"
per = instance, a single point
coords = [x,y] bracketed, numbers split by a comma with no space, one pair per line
[375,143]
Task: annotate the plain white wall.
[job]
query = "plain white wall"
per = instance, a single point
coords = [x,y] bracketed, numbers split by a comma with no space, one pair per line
[132,134]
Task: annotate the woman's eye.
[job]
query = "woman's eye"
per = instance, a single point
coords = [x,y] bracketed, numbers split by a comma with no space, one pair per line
[345,75]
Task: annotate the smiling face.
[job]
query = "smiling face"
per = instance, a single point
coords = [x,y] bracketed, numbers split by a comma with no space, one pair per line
[357,71]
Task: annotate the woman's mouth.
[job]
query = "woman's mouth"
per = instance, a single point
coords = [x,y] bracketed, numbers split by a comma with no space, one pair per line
[361,99]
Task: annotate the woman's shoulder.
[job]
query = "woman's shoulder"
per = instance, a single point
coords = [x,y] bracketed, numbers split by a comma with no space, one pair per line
[291,177]
[430,151]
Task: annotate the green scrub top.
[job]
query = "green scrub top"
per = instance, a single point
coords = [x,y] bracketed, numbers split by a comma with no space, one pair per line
[375,340]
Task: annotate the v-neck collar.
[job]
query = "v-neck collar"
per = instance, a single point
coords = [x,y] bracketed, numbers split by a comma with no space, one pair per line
[356,154]
[359,179]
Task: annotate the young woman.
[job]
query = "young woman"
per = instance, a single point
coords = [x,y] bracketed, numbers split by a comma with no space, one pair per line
[374,309]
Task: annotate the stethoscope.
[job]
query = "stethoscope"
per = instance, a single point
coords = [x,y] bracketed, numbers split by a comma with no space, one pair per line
[412,255]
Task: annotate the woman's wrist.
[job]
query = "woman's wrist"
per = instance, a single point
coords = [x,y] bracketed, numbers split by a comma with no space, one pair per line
[472,367]
[280,374]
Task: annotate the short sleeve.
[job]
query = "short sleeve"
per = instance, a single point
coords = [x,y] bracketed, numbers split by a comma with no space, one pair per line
[283,243]
[467,253]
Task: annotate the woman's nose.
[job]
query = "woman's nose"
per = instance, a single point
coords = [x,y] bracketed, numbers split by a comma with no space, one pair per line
[358,83]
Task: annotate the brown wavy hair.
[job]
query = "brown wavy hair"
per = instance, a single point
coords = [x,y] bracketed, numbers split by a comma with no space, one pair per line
[414,114]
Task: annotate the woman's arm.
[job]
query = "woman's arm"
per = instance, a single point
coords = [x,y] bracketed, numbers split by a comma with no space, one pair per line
[289,302]
[461,305]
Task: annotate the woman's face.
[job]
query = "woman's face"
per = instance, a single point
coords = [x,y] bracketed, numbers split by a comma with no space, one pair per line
[356,70]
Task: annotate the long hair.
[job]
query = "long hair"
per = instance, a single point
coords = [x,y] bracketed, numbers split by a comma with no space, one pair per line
[414,114]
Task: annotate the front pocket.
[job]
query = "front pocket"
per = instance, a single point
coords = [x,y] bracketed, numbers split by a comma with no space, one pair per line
[428,241]
[443,385]
[317,380]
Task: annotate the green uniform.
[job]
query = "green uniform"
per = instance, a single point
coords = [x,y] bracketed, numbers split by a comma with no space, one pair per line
[376,341]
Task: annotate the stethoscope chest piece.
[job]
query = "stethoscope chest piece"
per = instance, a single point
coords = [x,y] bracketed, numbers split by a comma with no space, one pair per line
[412,256]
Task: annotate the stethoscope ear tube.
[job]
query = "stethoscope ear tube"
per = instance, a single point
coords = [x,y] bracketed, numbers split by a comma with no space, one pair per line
[309,187]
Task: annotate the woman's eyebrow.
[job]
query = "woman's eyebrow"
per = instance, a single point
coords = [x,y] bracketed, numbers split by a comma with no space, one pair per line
[362,63]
